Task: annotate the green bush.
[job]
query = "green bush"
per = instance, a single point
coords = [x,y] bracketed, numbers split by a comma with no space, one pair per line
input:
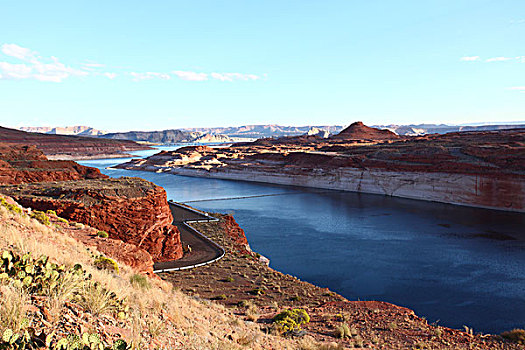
[105,263]
[51,212]
[290,321]
[516,335]
[41,217]
[139,281]
[102,234]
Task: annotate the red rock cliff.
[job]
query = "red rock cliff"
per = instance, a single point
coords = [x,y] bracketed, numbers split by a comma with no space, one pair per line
[130,209]
[22,164]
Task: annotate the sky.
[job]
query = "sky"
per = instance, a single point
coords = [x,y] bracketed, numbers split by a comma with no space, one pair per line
[153,65]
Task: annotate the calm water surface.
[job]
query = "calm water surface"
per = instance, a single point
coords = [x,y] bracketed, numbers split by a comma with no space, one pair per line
[458,265]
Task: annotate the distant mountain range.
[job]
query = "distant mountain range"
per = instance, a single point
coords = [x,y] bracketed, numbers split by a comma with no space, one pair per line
[262,131]
[167,136]
[252,132]
[422,129]
[67,130]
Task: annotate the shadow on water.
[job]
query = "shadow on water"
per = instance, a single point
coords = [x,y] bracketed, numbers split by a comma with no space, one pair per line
[461,265]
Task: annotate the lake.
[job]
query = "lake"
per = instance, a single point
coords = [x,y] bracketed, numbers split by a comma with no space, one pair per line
[451,264]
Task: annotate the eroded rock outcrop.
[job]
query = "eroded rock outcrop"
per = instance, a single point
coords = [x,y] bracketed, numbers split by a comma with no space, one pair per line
[22,164]
[130,209]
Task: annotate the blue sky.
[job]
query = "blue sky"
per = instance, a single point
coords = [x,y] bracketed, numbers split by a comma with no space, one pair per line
[146,65]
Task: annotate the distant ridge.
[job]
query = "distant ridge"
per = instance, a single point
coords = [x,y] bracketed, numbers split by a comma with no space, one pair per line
[79,130]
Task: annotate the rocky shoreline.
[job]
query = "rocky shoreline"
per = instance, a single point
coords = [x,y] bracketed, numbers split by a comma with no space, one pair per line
[483,170]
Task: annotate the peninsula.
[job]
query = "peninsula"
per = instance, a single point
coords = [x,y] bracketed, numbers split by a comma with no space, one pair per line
[483,169]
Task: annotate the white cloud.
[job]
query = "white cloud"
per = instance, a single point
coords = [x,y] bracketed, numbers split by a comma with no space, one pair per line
[50,69]
[190,76]
[15,71]
[470,58]
[19,52]
[518,88]
[149,75]
[234,76]
[36,67]
[498,59]
[110,75]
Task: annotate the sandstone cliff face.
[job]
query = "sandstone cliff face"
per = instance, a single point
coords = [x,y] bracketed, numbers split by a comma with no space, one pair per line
[130,209]
[22,164]
[235,233]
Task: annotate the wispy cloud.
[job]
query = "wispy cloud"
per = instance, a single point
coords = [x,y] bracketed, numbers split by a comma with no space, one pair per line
[190,76]
[32,66]
[110,75]
[19,52]
[520,59]
[35,67]
[470,58]
[498,59]
[234,76]
[518,88]
[149,76]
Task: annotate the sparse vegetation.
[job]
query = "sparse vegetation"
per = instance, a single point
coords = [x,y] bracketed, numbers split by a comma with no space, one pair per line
[102,234]
[290,321]
[105,263]
[516,335]
[41,217]
[139,281]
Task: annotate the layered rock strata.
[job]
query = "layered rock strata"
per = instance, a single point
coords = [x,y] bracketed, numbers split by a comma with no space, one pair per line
[480,169]
[130,209]
[21,164]
[70,147]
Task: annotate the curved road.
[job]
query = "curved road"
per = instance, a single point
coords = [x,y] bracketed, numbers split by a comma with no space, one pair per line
[203,250]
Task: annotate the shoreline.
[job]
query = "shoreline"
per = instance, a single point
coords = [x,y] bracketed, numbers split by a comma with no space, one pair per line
[475,191]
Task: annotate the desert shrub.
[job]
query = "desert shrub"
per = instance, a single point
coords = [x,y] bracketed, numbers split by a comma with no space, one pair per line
[220,297]
[102,234]
[139,281]
[51,212]
[290,321]
[62,220]
[105,263]
[41,217]
[516,335]
[342,331]
[78,225]
[11,207]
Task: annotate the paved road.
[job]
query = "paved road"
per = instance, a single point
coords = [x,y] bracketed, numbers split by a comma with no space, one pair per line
[203,250]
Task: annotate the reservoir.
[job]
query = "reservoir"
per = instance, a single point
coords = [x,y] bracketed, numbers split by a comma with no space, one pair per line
[453,265]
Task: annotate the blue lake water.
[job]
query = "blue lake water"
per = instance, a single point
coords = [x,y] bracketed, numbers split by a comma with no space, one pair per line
[458,265]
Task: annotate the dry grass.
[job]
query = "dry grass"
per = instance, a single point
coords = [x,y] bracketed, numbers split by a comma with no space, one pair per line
[14,304]
[158,314]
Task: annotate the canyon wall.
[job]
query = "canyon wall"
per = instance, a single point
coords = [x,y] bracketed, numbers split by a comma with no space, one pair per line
[130,209]
[483,191]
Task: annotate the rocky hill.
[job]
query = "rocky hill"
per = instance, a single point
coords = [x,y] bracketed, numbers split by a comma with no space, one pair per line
[359,131]
[70,147]
[132,210]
